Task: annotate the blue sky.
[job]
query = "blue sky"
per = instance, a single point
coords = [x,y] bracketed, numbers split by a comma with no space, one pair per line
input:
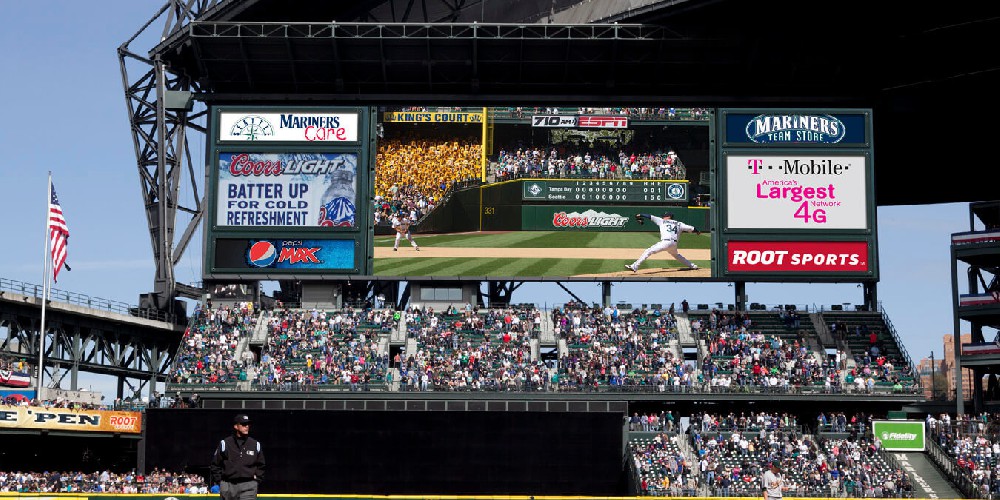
[64,110]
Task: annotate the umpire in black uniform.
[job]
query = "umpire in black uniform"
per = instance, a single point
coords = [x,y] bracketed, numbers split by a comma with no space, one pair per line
[238,463]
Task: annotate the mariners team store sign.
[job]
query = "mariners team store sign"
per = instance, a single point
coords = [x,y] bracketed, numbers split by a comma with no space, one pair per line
[798,191]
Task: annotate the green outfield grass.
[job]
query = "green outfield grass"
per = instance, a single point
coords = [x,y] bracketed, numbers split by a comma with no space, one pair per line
[509,267]
[549,239]
[551,261]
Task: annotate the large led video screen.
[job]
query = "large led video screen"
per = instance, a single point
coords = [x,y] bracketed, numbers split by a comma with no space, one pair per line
[543,193]
[289,192]
[534,193]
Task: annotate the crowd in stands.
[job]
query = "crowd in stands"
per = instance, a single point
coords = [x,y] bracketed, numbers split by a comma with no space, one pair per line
[972,442]
[662,468]
[322,348]
[595,162]
[208,346]
[599,349]
[413,172]
[11,363]
[729,454]
[740,356]
[638,113]
[620,350]
[158,481]
[461,350]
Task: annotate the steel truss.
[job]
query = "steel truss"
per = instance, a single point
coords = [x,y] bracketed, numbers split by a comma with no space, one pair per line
[160,129]
[137,354]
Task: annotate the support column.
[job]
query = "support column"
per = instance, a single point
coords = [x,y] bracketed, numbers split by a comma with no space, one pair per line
[741,295]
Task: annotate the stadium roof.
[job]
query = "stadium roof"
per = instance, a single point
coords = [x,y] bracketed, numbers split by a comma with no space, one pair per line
[929,74]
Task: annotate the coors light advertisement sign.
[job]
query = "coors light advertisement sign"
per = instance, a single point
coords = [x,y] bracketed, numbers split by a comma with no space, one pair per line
[588,219]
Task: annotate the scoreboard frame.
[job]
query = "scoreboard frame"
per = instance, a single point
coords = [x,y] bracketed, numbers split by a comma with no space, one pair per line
[605,190]
[822,252]
[805,247]
[281,135]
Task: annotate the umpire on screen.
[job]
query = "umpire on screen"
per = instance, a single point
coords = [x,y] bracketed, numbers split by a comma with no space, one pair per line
[238,463]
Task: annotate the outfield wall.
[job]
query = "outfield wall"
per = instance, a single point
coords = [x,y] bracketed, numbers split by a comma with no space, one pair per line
[501,207]
[407,452]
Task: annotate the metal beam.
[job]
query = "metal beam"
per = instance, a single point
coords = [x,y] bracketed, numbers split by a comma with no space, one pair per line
[159,139]
[88,341]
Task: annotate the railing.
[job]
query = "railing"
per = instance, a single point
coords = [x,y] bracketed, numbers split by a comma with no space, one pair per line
[529,388]
[379,386]
[947,464]
[79,299]
[906,355]
[656,113]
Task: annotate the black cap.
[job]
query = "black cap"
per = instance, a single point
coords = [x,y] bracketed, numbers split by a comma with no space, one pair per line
[241,419]
[668,214]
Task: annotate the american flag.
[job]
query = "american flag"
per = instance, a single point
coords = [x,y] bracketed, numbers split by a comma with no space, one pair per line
[58,233]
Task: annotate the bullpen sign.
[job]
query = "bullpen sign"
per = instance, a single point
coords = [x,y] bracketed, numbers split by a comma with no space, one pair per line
[900,435]
[65,419]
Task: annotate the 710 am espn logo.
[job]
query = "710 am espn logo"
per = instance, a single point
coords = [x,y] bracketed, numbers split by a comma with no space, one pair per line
[579,121]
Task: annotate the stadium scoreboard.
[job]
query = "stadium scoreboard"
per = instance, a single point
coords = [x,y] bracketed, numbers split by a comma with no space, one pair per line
[597,190]
[289,189]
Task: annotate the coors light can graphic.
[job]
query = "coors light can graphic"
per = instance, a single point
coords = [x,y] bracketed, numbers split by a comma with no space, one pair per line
[338,209]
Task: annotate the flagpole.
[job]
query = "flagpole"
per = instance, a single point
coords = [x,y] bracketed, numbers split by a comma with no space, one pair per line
[45,294]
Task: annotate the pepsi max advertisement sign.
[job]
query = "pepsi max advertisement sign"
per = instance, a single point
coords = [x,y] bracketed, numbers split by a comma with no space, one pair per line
[796,128]
[284,253]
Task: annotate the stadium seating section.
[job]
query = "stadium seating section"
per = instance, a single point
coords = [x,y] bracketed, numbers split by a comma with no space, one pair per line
[624,349]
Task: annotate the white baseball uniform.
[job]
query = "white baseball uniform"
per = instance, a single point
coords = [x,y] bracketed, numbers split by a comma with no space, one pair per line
[670,231]
[402,227]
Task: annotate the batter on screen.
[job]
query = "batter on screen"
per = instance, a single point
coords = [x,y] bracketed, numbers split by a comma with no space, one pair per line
[670,231]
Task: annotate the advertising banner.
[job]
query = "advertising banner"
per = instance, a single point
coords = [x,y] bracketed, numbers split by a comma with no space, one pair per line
[64,419]
[599,218]
[259,126]
[602,121]
[286,254]
[795,128]
[11,396]
[816,192]
[797,256]
[432,117]
[287,190]
[553,121]
[900,435]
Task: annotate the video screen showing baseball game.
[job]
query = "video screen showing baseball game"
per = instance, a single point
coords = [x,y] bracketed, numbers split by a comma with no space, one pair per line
[543,192]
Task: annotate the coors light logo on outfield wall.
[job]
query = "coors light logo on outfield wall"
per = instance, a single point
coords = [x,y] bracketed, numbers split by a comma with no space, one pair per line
[777,128]
[589,218]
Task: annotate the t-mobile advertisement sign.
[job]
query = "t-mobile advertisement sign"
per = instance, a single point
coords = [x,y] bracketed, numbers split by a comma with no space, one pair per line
[797,256]
[797,192]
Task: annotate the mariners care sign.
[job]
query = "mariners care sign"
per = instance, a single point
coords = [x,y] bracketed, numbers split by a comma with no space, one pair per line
[64,419]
